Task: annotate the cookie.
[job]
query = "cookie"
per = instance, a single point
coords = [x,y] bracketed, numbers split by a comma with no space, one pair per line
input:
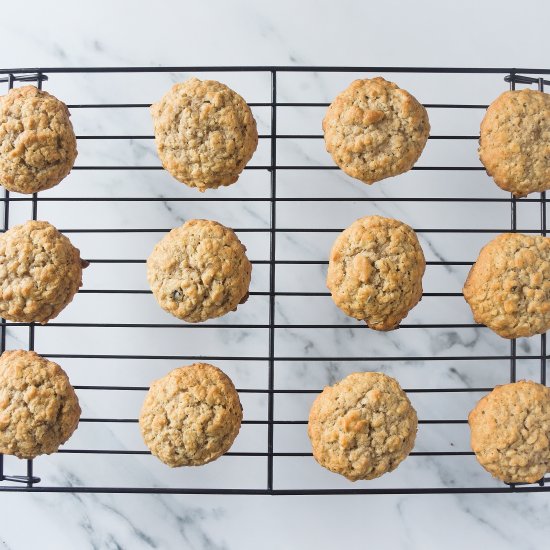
[37,142]
[514,143]
[39,409]
[375,130]
[199,271]
[510,432]
[363,426]
[375,271]
[508,287]
[205,133]
[191,416]
[40,272]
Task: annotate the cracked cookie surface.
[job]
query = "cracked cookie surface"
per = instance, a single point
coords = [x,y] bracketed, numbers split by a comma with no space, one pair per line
[205,133]
[37,141]
[363,426]
[375,130]
[40,272]
[191,416]
[508,287]
[375,271]
[514,144]
[510,432]
[39,409]
[199,271]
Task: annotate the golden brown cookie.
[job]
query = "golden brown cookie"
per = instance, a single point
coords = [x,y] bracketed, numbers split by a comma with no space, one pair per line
[363,426]
[191,416]
[39,409]
[40,272]
[375,130]
[514,143]
[37,142]
[375,271]
[510,432]
[205,133]
[199,271]
[508,287]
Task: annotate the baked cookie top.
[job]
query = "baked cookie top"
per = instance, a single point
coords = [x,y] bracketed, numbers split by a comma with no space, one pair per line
[375,271]
[514,143]
[510,432]
[205,133]
[40,272]
[508,288]
[363,426]
[37,142]
[199,271]
[39,409]
[191,416]
[375,130]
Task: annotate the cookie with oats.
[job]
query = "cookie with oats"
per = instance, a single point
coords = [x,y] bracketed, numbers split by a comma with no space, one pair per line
[510,432]
[191,416]
[37,141]
[362,426]
[40,272]
[375,271]
[514,143]
[199,271]
[39,409]
[375,130]
[508,287]
[205,133]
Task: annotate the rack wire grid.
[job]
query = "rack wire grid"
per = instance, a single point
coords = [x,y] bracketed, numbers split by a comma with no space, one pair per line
[292,201]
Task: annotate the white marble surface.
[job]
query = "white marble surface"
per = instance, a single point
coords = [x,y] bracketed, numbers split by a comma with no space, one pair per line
[253,33]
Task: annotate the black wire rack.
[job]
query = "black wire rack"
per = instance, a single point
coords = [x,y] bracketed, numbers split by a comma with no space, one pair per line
[30,480]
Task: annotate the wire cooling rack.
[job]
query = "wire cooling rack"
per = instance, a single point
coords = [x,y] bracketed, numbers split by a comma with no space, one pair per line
[30,479]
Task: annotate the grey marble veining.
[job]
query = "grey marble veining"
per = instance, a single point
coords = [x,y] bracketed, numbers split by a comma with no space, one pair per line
[242,32]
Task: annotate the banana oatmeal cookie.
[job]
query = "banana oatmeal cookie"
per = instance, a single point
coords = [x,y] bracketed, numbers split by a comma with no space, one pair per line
[363,426]
[375,271]
[205,133]
[37,142]
[191,416]
[39,409]
[40,272]
[510,432]
[514,143]
[199,271]
[508,288]
[375,130]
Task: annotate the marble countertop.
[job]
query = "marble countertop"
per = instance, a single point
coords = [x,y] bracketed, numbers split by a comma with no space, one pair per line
[424,33]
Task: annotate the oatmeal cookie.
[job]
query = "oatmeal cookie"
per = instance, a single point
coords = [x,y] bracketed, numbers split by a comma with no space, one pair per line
[205,133]
[191,416]
[508,288]
[514,143]
[39,409]
[37,142]
[510,432]
[199,271]
[363,426]
[375,271]
[375,130]
[40,272]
